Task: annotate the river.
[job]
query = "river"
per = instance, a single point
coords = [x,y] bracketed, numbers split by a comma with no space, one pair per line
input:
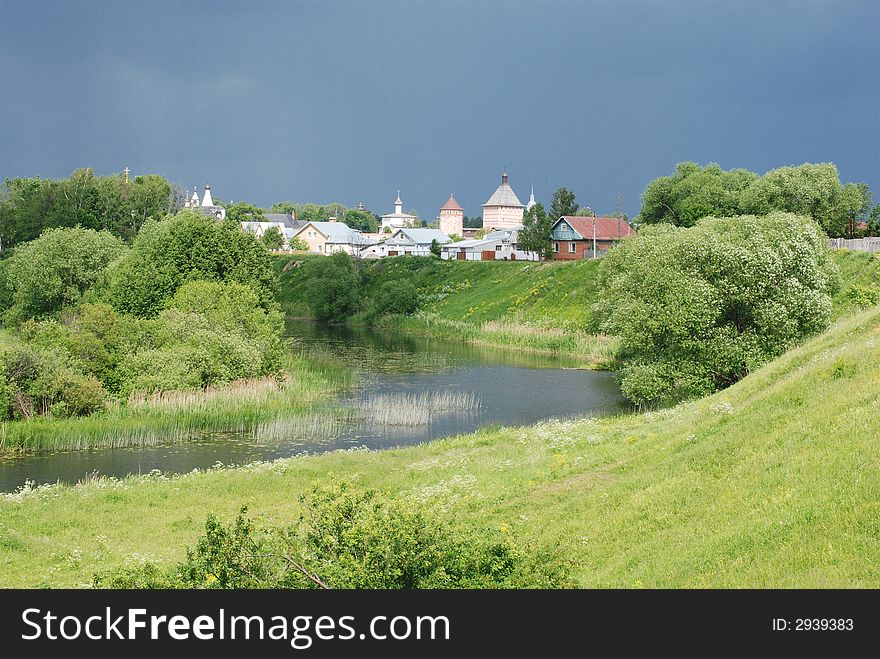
[410,390]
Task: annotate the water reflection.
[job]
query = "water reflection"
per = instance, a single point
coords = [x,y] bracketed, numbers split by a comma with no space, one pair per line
[446,387]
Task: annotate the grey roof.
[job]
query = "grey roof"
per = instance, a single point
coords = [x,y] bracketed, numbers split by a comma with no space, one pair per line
[285,219]
[504,196]
[339,232]
[422,236]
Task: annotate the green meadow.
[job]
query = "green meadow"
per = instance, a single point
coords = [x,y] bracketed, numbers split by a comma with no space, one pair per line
[774,482]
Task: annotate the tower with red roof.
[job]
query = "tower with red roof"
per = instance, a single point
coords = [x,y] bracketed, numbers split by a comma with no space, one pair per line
[452,217]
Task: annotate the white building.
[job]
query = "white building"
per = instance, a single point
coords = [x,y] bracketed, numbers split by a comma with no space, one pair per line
[407,242]
[494,246]
[503,210]
[207,205]
[398,219]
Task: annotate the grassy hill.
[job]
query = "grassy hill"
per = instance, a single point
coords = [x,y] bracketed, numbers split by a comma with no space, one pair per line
[774,482]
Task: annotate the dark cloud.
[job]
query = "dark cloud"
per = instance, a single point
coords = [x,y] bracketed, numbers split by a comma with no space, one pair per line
[348,102]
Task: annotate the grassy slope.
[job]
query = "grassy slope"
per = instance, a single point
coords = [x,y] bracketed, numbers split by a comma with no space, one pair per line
[774,482]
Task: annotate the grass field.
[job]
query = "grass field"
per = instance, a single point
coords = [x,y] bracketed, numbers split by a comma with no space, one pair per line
[774,482]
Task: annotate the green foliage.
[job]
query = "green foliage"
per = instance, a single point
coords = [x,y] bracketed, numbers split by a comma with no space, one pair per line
[298,244]
[347,539]
[29,206]
[563,203]
[209,333]
[396,297]
[41,381]
[331,287]
[436,250]
[242,211]
[535,234]
[53,271]
[273,239]
[812,190]
[697,309]
[186,247]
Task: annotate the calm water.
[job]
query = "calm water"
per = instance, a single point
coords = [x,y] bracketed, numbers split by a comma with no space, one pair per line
[510,388]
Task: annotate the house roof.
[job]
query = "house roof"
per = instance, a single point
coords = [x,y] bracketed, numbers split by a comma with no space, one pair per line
[451,205]
[285,219]
[337,232]
[420,236]
[504,195]
[606,227]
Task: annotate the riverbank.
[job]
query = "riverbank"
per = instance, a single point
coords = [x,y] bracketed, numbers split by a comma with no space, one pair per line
[536,306]
[770,483]
[177,416]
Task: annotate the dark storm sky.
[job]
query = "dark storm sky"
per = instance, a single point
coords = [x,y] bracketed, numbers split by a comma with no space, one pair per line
[338,101]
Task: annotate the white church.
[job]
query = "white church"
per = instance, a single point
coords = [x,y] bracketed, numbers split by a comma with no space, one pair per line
[207,205]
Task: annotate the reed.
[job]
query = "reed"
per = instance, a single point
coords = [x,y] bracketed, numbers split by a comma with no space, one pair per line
[401,409]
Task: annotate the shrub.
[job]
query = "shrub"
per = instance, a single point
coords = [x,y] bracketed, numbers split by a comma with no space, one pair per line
[347,539]
[42,381]
[53,271]
[696,309]
[331,287]
[396,297]
[187,247]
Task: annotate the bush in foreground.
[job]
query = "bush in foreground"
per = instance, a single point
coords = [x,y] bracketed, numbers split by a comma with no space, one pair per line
[697,309]
[346,539]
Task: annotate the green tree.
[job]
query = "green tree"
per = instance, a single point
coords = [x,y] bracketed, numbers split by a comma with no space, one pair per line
[272,238]
[563,203]
[242,211]
[331,287]
[361,220]
[436,250]
[53,271]
[297,244]
[696,309]
[535,234]
[188,246]
[693,193]
[874,221]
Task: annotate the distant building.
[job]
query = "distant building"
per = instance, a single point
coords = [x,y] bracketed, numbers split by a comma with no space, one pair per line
[531,203]
[284,222]
[398,219]
[572,236]
[331,237]
[207,205]
[451,217]
[503,210]
[499,245]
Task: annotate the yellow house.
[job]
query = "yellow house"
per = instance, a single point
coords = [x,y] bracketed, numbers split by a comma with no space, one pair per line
[330,237]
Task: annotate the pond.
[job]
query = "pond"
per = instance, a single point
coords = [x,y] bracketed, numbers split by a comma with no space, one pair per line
[410,390]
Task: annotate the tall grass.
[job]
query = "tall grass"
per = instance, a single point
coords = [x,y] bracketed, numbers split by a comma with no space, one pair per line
[402,409]
[179,416]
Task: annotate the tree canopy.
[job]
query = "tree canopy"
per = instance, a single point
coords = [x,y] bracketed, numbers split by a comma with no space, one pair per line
[812,190]
[563,203]
[186,247]
[696,309]
[28,206]
[52,272]
[535,234]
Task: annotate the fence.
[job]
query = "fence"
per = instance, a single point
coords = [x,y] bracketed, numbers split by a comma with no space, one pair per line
[858,244]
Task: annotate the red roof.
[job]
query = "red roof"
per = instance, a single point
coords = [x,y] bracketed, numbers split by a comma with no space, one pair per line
[606,227]
[451,205]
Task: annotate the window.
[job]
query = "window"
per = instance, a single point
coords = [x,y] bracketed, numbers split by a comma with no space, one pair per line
[572,248]
[497,248]
[319,248]
[556,247]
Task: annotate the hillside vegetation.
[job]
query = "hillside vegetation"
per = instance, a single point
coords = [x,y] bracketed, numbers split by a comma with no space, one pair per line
[523,305]
[774,482]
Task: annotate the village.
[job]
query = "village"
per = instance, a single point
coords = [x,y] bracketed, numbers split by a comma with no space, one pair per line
[402,234]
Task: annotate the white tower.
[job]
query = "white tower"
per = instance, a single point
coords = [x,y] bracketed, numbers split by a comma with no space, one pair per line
[206,198]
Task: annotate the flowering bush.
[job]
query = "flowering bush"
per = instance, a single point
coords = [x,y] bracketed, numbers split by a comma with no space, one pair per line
[697,308]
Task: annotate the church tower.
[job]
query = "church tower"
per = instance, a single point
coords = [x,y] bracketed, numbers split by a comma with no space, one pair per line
[452,217]
[504,209]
